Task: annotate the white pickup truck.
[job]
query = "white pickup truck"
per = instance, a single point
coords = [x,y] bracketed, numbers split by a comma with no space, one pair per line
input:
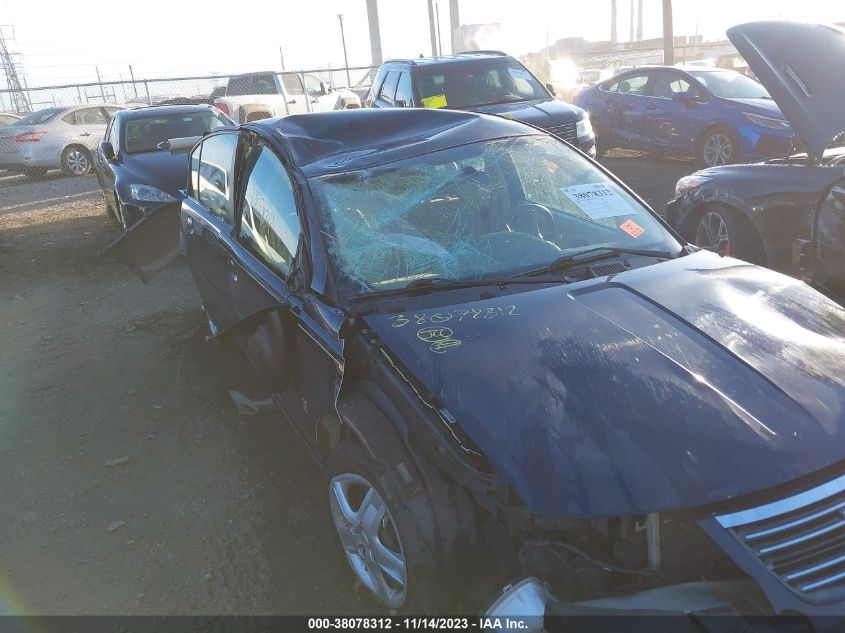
[263,95]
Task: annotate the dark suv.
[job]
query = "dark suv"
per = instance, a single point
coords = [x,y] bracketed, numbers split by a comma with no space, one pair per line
[482,81]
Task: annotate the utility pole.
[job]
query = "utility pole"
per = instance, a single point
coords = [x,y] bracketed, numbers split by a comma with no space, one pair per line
[375,32]
[455,24]
[668,35]
[613,23]
[439,39]
[19,99]
[639,20]
[282,56]
[345,59]
[431,30]
[631,32]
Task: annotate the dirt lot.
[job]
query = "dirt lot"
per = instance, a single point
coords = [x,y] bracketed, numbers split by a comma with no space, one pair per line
[131,485]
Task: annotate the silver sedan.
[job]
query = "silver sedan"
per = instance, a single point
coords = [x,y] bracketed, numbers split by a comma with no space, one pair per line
[53,138]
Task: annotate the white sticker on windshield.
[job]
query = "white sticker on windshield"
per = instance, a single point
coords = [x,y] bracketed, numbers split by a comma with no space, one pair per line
[599,200]
[518,73]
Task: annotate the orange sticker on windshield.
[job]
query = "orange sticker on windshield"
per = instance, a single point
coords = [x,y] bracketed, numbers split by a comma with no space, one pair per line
[632,228]
[552,167]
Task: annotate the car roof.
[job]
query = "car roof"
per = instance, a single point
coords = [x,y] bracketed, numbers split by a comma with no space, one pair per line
[458,58]
[346,140]
[143,112]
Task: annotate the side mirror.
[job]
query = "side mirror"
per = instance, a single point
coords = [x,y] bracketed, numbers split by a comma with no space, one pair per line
[550,88]
[400,103]
[107,151]
[687,98]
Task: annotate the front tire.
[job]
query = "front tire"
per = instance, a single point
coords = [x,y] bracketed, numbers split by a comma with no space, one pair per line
[718,146]
[723,230]
[377,532]
[76,161]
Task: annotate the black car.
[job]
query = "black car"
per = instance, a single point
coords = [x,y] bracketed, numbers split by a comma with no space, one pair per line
[142,161]
[491,82]
[786,213]
[510,368]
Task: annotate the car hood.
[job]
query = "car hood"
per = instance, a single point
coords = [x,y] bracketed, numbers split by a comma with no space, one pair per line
[543,114]
[674,385]
[796,63]
[164,170]
[766,107]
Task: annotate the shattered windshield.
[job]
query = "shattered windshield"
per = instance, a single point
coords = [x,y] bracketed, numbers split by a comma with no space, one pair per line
[484,210]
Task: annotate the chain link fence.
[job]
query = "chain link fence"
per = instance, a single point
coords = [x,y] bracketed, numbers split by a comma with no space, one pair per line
[197,89]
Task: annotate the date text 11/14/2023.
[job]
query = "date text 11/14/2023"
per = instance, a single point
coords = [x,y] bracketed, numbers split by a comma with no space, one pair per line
[397,623]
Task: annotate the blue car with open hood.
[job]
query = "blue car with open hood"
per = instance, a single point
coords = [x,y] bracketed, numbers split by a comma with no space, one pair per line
[514,373]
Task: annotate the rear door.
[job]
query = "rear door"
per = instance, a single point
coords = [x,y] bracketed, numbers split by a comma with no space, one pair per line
[625,109]
[89,126]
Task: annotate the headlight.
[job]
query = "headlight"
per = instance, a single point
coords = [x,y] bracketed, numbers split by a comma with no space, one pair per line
[688,183]
[147,193]
[583,127]
[765,121]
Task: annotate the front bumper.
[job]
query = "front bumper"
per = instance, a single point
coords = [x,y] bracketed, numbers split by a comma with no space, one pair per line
[759,143]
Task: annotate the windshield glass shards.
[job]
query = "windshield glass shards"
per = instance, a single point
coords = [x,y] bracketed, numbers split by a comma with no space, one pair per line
[480,211]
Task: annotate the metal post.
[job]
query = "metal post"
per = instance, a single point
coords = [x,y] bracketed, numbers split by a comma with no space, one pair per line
[431,30]
[439,39]
[375,32]
[613,23]
[134,85]
[147,90]
[282,58]
[345,59]
[455,25]
[305,92]
[99,81]
[668,35]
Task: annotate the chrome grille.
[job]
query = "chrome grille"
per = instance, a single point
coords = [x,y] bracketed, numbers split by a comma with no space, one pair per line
[799,539]
[566,132]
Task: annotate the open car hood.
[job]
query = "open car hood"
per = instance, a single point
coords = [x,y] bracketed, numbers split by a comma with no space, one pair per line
[800,65]
[670,386]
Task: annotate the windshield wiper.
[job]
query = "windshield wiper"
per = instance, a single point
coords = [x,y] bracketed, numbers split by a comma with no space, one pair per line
[429,284]
[590,255]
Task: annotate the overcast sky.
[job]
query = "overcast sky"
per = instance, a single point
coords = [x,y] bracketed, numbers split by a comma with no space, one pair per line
[62,41]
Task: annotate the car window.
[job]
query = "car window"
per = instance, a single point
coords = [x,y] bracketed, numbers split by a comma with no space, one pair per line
[313,85]
[214,184]
[146,133]
[111,135]
[667,85]
[252,85]
[40,116]
[729,84]
[388,88]
[630,84]
[194,169]
[90,116]
[269,225]
[403,89]
[476,84]
[293,85]
[471,212]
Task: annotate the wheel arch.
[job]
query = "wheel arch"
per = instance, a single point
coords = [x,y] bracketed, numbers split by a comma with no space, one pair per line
[742,215]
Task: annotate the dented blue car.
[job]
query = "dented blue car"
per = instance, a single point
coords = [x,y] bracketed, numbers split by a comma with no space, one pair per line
[515,374]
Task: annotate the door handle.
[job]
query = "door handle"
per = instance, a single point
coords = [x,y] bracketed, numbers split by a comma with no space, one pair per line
[652,107]
[291,102]
[85,134]
[233,271]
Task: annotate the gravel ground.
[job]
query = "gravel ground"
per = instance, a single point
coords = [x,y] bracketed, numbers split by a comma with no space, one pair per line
[131,485]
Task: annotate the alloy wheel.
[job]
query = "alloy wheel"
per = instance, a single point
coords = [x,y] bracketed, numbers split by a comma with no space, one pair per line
[718,149]
[369,538]
[712,234]
[77,162]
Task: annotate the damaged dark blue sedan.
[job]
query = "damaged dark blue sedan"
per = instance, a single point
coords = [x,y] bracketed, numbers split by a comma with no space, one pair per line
[515,374]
